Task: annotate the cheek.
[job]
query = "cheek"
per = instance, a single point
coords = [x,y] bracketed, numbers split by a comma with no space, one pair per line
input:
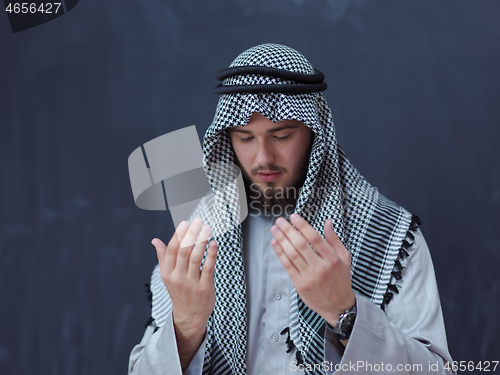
[292,154]
[243,156]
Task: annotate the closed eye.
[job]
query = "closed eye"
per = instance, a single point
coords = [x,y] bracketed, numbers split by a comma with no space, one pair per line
[275,137]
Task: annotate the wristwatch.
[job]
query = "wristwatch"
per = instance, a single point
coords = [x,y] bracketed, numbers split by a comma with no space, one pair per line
[345,323]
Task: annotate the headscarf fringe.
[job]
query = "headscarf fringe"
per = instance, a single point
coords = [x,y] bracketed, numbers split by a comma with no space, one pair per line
[150,299]
[398,267]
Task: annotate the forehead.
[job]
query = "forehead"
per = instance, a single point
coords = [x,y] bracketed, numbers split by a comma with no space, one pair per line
[260,124]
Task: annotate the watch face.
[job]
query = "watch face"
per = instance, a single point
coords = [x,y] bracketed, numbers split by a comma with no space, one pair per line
[347,323]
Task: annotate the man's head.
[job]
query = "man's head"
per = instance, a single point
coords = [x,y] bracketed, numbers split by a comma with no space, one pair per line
[264,88]
[273,158]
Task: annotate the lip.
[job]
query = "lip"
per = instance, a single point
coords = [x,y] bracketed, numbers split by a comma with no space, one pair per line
[269,176]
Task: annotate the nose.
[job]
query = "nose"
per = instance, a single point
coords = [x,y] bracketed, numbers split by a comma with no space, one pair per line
[265,153]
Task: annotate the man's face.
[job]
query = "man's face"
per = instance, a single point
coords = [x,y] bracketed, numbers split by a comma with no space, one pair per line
[272,156]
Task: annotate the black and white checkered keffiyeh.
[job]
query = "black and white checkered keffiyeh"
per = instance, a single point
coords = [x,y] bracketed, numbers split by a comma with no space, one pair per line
[375,230]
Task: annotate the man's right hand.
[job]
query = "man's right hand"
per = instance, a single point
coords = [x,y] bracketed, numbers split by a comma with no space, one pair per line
[191,290]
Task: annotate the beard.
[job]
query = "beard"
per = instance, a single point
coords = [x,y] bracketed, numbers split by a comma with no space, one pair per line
[270,199]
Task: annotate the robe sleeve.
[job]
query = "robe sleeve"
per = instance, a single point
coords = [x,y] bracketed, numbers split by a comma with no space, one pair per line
[157,353]
[409,337]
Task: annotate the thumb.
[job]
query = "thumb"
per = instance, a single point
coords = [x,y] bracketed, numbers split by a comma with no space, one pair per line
[160,248]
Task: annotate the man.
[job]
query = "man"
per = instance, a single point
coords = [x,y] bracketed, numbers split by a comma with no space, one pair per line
[347,285]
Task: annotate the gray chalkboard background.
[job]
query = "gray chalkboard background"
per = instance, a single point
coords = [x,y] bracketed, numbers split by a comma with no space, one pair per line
[414,87]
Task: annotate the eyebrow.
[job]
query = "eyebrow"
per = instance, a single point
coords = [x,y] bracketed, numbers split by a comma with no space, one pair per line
[237,130]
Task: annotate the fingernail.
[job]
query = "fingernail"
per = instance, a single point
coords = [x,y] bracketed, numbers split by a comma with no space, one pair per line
[294,218]
[274,229]
[280,221]
[154,242]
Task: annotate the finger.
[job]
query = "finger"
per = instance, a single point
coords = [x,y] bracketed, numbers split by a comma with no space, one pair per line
[311,235]
[207,273]
[293,272]
[289,249]
[335,242]
[192,233]
[187,245]
[179,234]
[197,254]
[167,255]
[298,241]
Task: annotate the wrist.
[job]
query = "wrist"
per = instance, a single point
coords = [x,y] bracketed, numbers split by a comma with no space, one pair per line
[336,313]
[344,325]
[189,325]
[189,336]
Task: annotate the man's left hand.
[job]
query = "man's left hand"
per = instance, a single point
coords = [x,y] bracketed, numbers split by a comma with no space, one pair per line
[321,273]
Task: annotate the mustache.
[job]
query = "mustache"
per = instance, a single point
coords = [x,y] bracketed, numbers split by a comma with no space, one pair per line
[269,168]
